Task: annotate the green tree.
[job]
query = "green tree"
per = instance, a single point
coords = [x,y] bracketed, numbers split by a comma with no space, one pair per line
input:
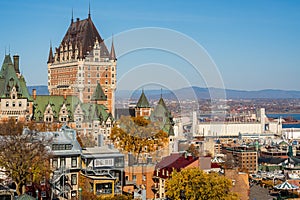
[138,135]
[194,184]
[23,157]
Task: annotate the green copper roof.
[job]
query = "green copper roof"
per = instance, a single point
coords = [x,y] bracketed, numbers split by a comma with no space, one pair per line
[90,111]
[98,94]
[25,197]
[163,115]
[10,79]
[143,101]
[162,102]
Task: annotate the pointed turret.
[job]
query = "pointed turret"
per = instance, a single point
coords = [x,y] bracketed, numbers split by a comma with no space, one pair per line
[112,55]
[98,94]
[50,57]
[143,101]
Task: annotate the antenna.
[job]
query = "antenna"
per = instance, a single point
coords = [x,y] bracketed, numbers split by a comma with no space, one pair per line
[89,16]
[72,19]
[160,92]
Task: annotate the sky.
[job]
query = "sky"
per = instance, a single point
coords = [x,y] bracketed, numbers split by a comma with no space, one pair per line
[247,45]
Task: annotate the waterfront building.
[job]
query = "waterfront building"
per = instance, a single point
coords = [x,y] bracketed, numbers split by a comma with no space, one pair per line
[235,125]
[81,63]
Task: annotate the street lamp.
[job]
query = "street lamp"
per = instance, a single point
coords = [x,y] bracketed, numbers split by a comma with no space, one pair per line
[80,190]
[37,194]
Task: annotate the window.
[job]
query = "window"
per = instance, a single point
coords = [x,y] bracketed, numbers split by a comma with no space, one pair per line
[62,162]
[74,162]
[43,180]
[7,104]
[134,177]
[74,179]
[20,103]
[113,75]
[14,104]
[43,194]
[98,75]
[89,89]
[54,162]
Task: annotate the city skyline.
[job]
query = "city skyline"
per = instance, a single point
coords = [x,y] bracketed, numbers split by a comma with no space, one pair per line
[253,44]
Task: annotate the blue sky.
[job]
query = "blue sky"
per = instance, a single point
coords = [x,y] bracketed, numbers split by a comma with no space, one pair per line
[254,44]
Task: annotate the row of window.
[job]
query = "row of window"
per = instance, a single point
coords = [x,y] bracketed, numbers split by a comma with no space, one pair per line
[63,162]
[56,147]
[98,68]
[13,104]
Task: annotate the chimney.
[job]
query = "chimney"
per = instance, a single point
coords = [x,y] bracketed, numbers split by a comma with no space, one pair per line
[34,94]
[16,63]
[65,94]
[100,140]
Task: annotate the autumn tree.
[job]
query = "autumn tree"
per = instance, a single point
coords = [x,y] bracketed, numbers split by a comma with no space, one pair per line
[193,150]
[138,135]
[23,156]
[194,184]
[86,140]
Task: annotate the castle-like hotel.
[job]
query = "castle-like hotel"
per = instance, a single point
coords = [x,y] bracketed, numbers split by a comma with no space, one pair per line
[81,83]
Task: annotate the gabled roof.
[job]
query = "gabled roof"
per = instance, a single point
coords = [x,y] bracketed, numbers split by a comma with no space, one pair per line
[84,34]
[174,162]
[143,101]
[98,94]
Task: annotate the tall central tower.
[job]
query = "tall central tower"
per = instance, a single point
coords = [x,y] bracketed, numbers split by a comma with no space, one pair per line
[83,63]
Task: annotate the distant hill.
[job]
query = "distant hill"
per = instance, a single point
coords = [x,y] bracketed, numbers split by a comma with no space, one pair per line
[192,92]
[204,93]
[40,89]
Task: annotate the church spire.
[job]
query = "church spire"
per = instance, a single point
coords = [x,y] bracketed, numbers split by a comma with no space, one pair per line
[112,55]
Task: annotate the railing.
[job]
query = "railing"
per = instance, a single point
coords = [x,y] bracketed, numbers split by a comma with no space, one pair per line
[104,191]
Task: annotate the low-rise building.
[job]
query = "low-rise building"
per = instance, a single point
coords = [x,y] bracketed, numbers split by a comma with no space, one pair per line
[164,169]
[244,158]
[103,168]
